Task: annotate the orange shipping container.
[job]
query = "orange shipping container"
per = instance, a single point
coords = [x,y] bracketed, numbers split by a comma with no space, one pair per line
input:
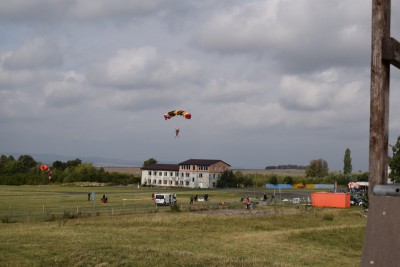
[331,200]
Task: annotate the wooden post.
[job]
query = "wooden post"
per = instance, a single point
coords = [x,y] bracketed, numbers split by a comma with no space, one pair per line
[379,102]
[382,238]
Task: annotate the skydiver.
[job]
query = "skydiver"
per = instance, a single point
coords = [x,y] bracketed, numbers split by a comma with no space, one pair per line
[177,133]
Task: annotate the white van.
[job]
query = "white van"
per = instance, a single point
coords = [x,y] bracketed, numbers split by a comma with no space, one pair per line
[165,199]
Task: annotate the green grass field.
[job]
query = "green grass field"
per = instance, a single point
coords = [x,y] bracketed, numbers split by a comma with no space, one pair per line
[141,235]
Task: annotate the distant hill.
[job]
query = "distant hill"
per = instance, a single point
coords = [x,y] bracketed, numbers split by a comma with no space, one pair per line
[286,167]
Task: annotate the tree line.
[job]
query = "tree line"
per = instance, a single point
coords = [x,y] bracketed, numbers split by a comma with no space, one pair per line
[286,167]
[238,179]
[25,170]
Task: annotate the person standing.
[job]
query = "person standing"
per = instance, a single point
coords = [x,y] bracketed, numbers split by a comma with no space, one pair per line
[248,203]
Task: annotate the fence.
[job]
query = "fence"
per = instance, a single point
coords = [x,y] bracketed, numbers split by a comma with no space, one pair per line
[17,213]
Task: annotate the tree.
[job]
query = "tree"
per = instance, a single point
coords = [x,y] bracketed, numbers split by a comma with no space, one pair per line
[273,179]
[317,168]
[288,180]
[27,161]
[347,167]
[394,162]
[227,179]
[149,162]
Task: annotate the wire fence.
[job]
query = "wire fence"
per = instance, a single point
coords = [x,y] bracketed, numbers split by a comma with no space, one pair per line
[47,212]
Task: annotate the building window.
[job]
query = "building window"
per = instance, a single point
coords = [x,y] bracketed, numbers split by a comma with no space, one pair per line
[187,183]
[160,174]
[187,174]
[165,181]
[200,175]
[149,172]
[159,181]
[194,167]
[149,181]
[214,184]
[176,182]
[181,182]
[154,181]
[193,179]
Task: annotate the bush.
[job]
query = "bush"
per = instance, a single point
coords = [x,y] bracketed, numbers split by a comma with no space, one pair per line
[175,208]
[328,217]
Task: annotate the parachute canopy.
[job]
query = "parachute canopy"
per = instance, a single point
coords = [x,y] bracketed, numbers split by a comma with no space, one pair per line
[177,112]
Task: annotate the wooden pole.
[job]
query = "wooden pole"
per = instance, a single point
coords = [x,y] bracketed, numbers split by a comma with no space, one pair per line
[379,102]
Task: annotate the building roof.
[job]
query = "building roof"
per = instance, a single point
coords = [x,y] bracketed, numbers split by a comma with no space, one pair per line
[161,167]
[202,162]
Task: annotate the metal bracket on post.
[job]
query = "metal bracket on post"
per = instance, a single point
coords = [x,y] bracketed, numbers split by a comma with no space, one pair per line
[387,190]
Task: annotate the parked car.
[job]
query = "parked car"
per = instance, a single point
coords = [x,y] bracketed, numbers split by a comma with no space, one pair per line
[165,199]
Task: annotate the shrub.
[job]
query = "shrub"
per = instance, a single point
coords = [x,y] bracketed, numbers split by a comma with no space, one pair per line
[328,217]
[175,208]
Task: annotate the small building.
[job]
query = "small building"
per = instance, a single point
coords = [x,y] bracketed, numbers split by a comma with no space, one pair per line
[193,173]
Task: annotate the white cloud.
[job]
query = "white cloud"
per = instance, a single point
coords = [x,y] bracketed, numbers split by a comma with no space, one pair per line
[299,35]
[299,94]
[143,67]
[90,9]
[72,90]
[231,90]
[64,10]
[37,54]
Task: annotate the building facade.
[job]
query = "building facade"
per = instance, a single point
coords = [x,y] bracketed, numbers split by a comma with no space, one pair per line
[193,173]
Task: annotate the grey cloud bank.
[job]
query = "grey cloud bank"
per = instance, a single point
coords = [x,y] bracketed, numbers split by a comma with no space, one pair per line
[268,82]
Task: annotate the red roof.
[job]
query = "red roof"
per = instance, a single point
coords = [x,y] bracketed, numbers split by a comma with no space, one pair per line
[161,167]
[202,162]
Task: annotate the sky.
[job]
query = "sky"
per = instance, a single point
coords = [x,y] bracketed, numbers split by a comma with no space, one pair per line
[268,82]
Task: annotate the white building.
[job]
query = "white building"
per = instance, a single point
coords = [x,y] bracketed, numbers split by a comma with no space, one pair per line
[193,173]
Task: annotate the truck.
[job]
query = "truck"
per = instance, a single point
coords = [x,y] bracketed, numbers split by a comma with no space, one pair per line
[166,199]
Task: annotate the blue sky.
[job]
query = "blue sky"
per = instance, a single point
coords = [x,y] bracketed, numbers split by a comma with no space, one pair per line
[267,82]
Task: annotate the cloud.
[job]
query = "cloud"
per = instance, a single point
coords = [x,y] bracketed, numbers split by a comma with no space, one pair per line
[231,90]
[71,91]
[37,54]
[300,94]
[143,67]
[64,10]
[17,106]
[299,35]
[89,9]
[139,101]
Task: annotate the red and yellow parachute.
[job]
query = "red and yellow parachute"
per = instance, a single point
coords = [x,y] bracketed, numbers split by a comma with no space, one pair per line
[177,112]
[46,170]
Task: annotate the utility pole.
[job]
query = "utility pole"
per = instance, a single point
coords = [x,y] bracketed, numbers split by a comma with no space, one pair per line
[379,99]
[382,238]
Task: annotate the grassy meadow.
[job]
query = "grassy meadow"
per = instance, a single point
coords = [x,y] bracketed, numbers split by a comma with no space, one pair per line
[269,235]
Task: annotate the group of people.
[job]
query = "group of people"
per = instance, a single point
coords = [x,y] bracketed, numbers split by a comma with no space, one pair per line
[248,201]
[195,198]
[103,200]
